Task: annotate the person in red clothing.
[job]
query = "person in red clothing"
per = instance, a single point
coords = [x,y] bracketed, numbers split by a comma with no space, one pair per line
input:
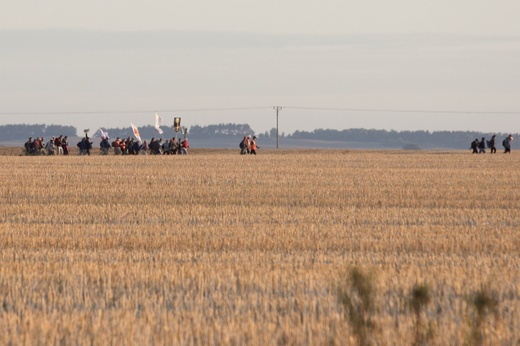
[185,146]
[253,146]
[117,146]
[122,145]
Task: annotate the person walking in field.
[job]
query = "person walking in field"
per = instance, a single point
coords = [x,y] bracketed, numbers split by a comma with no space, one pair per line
[155,147]
[482,146]
[248,144]
[38,144]
[507,144]
[50,147]
[243,146]
[104,145]
[29,146]
[491,144]
[185,145]
[474,146]
[253,146]
[122,146]
[57,145]
[83,147]
[117,146]
[65,145]
[172,146]
[135,148]
[144,148]
[166,147]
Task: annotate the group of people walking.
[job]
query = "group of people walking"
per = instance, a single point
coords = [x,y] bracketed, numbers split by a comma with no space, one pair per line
[248,145]
[156,146]
[55,146]
[129,146]
[479,147]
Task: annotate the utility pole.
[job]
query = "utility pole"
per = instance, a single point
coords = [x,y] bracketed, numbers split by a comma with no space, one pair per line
[277,108]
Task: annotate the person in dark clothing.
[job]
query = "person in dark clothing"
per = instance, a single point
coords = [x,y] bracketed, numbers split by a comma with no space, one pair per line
[88,144]
[155,146]
[58,146]
[65,145]
[135,148]
[104,145]
[507,144]
[474,146]
[482,146]
[491,144]
[29,146]
[83,147]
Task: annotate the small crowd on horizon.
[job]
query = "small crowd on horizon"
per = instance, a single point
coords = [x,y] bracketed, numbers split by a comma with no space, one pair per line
[129,146]
[248,145]
[156,146]
[479,147]
[55,146]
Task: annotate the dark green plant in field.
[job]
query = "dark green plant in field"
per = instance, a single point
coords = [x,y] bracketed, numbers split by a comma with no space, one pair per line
[357,295]
[420,298]
[484,303]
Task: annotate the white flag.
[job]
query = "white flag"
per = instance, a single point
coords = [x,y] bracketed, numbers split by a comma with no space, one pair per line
[136,132]
[158,122]
[103,134]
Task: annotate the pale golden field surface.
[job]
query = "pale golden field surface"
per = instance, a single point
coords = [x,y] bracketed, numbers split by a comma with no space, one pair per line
[217,248]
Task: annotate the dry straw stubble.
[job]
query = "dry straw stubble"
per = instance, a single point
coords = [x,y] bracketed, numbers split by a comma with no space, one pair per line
[218,248]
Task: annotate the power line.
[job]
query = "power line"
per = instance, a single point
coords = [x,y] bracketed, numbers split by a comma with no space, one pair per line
[135,112]
[375,110]
[380,110]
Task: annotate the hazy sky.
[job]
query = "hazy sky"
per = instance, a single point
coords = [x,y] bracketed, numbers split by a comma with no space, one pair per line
[231,61]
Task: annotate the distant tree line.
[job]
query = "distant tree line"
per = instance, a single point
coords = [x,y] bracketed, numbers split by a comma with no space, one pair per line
[408,139]
[394,139]
[390,139]
[24,131]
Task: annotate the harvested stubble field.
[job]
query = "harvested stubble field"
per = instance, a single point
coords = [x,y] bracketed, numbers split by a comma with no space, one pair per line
[217,248]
